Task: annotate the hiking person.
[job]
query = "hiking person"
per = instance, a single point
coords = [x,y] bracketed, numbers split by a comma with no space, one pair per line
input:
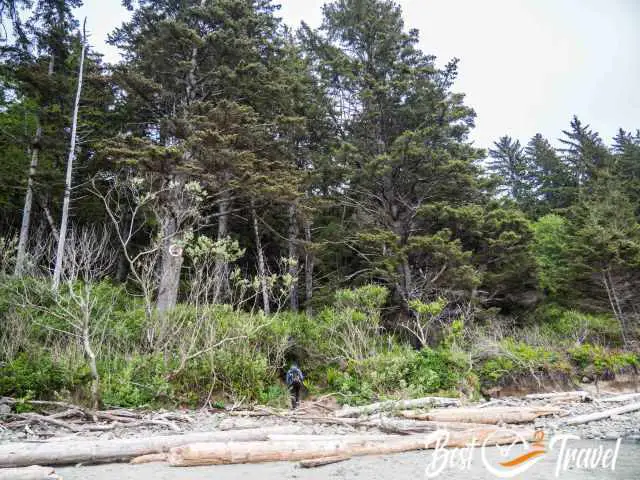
[294,381]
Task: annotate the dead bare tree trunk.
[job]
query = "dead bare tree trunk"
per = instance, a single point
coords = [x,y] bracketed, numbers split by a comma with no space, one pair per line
[615,303]
[293,257]
[28,203]
[221,265]
[28,200]
[262,272]
[308,268]
[57,272]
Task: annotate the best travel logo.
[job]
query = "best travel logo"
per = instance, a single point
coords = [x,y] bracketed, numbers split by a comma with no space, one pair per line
[519,455]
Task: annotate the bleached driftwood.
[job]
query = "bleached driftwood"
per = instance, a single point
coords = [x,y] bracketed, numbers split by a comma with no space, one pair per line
[120,450]
[321,462]
[495,415]
[34,472]
[151,458]
[575,396]
[621,398]
[257,452]
[592,417]
[280,437]
[397,405]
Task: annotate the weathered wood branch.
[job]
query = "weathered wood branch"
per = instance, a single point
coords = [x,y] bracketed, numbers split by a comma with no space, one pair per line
[398,405]
[321,462]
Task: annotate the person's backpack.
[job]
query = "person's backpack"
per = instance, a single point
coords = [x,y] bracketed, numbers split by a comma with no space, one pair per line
[294,376]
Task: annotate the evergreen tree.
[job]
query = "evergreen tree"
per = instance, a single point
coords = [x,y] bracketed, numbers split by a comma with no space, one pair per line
[584,153]
[511,164]
[404,140]
[207,83]
[550,177]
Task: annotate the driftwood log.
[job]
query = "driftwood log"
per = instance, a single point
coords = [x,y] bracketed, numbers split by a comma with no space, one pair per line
[397,405]
[574,396]
[121,450]
[592,417]
[257,452]
[490,415]
[151,458]
[34,472]
[621,398]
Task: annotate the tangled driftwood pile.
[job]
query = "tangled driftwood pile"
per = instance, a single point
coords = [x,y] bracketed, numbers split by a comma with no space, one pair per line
[380,428]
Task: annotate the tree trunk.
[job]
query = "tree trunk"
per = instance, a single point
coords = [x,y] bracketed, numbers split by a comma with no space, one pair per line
[221,267]
[615,304]
[308,268]
[49,218]
[93,367]
[91,451]
[293,260]
[28,203]
[171,263]
[257,452]
[57,272]
[262,273]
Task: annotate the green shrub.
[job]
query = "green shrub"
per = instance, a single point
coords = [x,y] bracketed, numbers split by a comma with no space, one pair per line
[518,359]
[575,326]
[402,372]
[135,381]
[600,361]
[37,375]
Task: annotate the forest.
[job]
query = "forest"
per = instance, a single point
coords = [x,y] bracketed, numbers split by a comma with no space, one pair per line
[235,194]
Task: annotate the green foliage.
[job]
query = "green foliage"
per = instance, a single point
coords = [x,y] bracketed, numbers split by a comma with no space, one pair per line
[576,326]
[402,372]
[516,359]
[37,375]
[135,381]
[598,360]
[551,250]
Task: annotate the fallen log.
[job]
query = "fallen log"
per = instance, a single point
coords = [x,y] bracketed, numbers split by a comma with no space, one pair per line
[151,458]
[397,405]
[34,472]
[621,398]
[578,395]
[592,417]
[491,416]
[221,453]
[321,462]
[280,437]
[120,450]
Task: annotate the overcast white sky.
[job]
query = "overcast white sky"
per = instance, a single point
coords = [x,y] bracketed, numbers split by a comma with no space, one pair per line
[526,65]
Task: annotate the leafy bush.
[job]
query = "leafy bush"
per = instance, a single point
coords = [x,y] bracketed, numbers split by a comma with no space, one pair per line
[37,375]
[135,381]
[352,327]
[402,372]
[516,359]
[596,359]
